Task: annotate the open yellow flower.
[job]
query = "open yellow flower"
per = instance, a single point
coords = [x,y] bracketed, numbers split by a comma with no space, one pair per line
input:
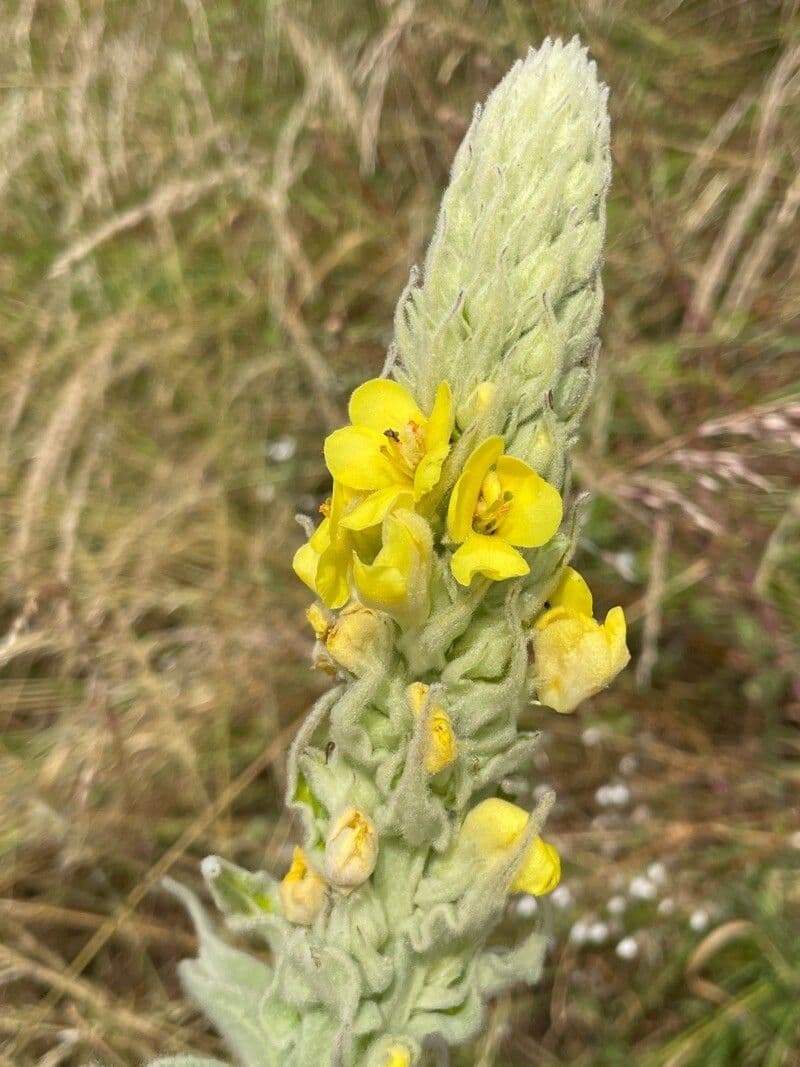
[493,828]
[498,503]
[398,580]
[574,655]
[440,744]
[391,447]
[302,891]
[324,561]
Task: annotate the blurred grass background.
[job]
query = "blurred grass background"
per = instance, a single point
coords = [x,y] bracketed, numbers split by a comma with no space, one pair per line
[207,212]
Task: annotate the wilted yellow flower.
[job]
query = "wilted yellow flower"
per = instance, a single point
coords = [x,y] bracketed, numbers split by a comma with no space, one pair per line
[498,503]
[358,638]
[391,447]
[351,849]
[302,891]
[574,655]
[398,579]
[494,827]
[440,746]
[324,561]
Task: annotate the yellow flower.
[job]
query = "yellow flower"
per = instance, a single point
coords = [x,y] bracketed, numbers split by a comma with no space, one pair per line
[499,502]
[390,449]
[574,655]
[351,849]
[440,747]
[302,891]
[397,581]
[493,829]
[324,561]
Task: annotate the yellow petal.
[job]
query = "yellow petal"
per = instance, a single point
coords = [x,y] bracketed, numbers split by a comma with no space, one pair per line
[332,577]
[540,872]
[305,564]
[306,558]
[494,825]
[382,404]
[302,891]
[382,585]
[374,508]
[429,471]
[536,507]
[572,593]
[342,498]
[616,631]
[442,418]
[355,458]
[490,556]
[467,489]
[398,579]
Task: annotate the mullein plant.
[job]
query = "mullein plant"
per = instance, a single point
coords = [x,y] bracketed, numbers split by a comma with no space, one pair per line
[445,606]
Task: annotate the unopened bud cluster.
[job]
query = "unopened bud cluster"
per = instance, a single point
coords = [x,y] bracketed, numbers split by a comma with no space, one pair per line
[445,604]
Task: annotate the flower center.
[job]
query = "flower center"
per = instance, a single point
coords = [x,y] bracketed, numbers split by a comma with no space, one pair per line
[494,503]
[405,448]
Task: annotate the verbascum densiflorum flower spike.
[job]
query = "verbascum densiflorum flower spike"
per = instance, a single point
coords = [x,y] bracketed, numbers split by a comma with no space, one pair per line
[574,655]
[511,291]
[444,603]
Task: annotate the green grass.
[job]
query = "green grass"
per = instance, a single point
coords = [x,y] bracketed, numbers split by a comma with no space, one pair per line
[208,212]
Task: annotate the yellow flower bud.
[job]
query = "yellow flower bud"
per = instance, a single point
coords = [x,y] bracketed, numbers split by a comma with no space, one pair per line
[358,638]
[494,827]
[574,655]
[302,891]
[397,1056]
[351,849]
[440,746]
[476,404]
